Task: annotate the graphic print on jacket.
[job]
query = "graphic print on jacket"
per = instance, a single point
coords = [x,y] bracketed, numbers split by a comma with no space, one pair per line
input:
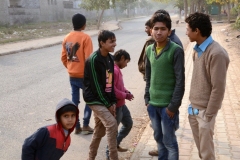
[108,81]
[71,51]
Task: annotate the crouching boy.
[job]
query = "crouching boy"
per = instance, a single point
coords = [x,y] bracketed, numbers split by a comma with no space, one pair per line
[51,142]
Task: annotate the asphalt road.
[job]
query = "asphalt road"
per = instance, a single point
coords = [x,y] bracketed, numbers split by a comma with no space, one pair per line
[33,82]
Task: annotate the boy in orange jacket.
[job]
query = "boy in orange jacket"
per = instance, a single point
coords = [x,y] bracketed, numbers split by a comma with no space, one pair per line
[76,48]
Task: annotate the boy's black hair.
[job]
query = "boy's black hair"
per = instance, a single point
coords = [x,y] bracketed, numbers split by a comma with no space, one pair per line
[64,109]
[78,21]
[148,23]
[118,54]
[104,35]
[201,21]
[161,17]
[162,11]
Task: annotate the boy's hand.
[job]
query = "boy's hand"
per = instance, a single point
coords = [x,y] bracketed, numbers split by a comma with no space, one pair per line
[112,110]
[170,114]
[129,96]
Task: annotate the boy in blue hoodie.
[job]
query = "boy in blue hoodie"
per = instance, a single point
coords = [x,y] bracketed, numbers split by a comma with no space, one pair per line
[51,142]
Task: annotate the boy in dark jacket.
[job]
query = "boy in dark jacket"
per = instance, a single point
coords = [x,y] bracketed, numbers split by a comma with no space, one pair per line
[51,142]
[99,94]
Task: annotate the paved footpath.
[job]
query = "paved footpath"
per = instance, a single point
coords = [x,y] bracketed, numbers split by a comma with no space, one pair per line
[227,129]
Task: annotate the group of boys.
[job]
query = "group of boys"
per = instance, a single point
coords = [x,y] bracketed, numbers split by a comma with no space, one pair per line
[162,66]
[98,74]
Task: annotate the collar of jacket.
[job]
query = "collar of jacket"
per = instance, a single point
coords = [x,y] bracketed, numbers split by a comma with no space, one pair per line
[100,57]
[172,32]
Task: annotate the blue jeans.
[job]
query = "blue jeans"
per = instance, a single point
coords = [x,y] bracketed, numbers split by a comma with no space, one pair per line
[76,85]
[164,132]
[122,115]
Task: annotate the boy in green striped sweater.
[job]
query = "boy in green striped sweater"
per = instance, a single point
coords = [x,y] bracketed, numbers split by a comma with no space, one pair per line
[165,81]
[99,94]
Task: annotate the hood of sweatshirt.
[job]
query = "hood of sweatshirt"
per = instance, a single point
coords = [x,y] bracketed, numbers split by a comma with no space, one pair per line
[60,105]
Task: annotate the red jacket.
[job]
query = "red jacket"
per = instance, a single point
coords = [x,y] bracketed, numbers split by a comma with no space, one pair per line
[48,143]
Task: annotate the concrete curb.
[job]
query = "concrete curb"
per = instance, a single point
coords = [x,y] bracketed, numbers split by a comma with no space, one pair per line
[29,49]
[142,142]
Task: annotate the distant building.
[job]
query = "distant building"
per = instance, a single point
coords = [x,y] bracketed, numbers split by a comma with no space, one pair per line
[24,11]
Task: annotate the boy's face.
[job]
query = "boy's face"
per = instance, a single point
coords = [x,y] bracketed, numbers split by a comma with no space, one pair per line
[123,62]
[147,30]
[160,32]
[192,35]
[109,45]
[68,120]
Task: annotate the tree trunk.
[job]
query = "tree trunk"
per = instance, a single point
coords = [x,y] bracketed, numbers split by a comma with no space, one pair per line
[128,11]
[192,7]
[180,9]
[116,15]
[185,8]
[228,11]
[100,19]
[199,6]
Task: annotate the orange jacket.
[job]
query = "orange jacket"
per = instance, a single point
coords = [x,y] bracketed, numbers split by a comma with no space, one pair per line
[76,48]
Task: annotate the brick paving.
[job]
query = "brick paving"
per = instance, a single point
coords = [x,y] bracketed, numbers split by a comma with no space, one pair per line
[227,129]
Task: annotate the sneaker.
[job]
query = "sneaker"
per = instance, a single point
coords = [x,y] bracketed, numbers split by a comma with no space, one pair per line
[78,130]
[153,153]
[121,149]
[87,130]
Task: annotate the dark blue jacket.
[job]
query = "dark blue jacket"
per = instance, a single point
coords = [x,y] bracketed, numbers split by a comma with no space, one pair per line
[48,143]
[175,38]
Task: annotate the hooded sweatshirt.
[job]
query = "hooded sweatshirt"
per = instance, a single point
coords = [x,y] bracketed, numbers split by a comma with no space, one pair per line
[49,142]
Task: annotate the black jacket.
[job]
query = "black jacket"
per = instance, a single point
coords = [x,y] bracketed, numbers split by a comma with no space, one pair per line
[95,81]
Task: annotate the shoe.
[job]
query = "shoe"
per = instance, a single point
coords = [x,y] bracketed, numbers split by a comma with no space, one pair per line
[153,153]
[87,130]
[120,149]
[78,130]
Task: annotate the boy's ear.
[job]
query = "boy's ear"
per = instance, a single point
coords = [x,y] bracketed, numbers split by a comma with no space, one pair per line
[169,33]
[101,43]
[197,31]
[122,58]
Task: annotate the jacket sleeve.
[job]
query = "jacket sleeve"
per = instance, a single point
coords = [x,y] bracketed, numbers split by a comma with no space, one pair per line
[98,85]
[147,76]
[119,94]
[64,54]
[34,143]
[88,47]
[179,70]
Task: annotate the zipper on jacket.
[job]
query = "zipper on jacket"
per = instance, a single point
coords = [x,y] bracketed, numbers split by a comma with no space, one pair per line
[64,145]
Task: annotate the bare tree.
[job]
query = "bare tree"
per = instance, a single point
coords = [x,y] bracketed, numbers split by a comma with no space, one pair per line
[98,5]
[185,8]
